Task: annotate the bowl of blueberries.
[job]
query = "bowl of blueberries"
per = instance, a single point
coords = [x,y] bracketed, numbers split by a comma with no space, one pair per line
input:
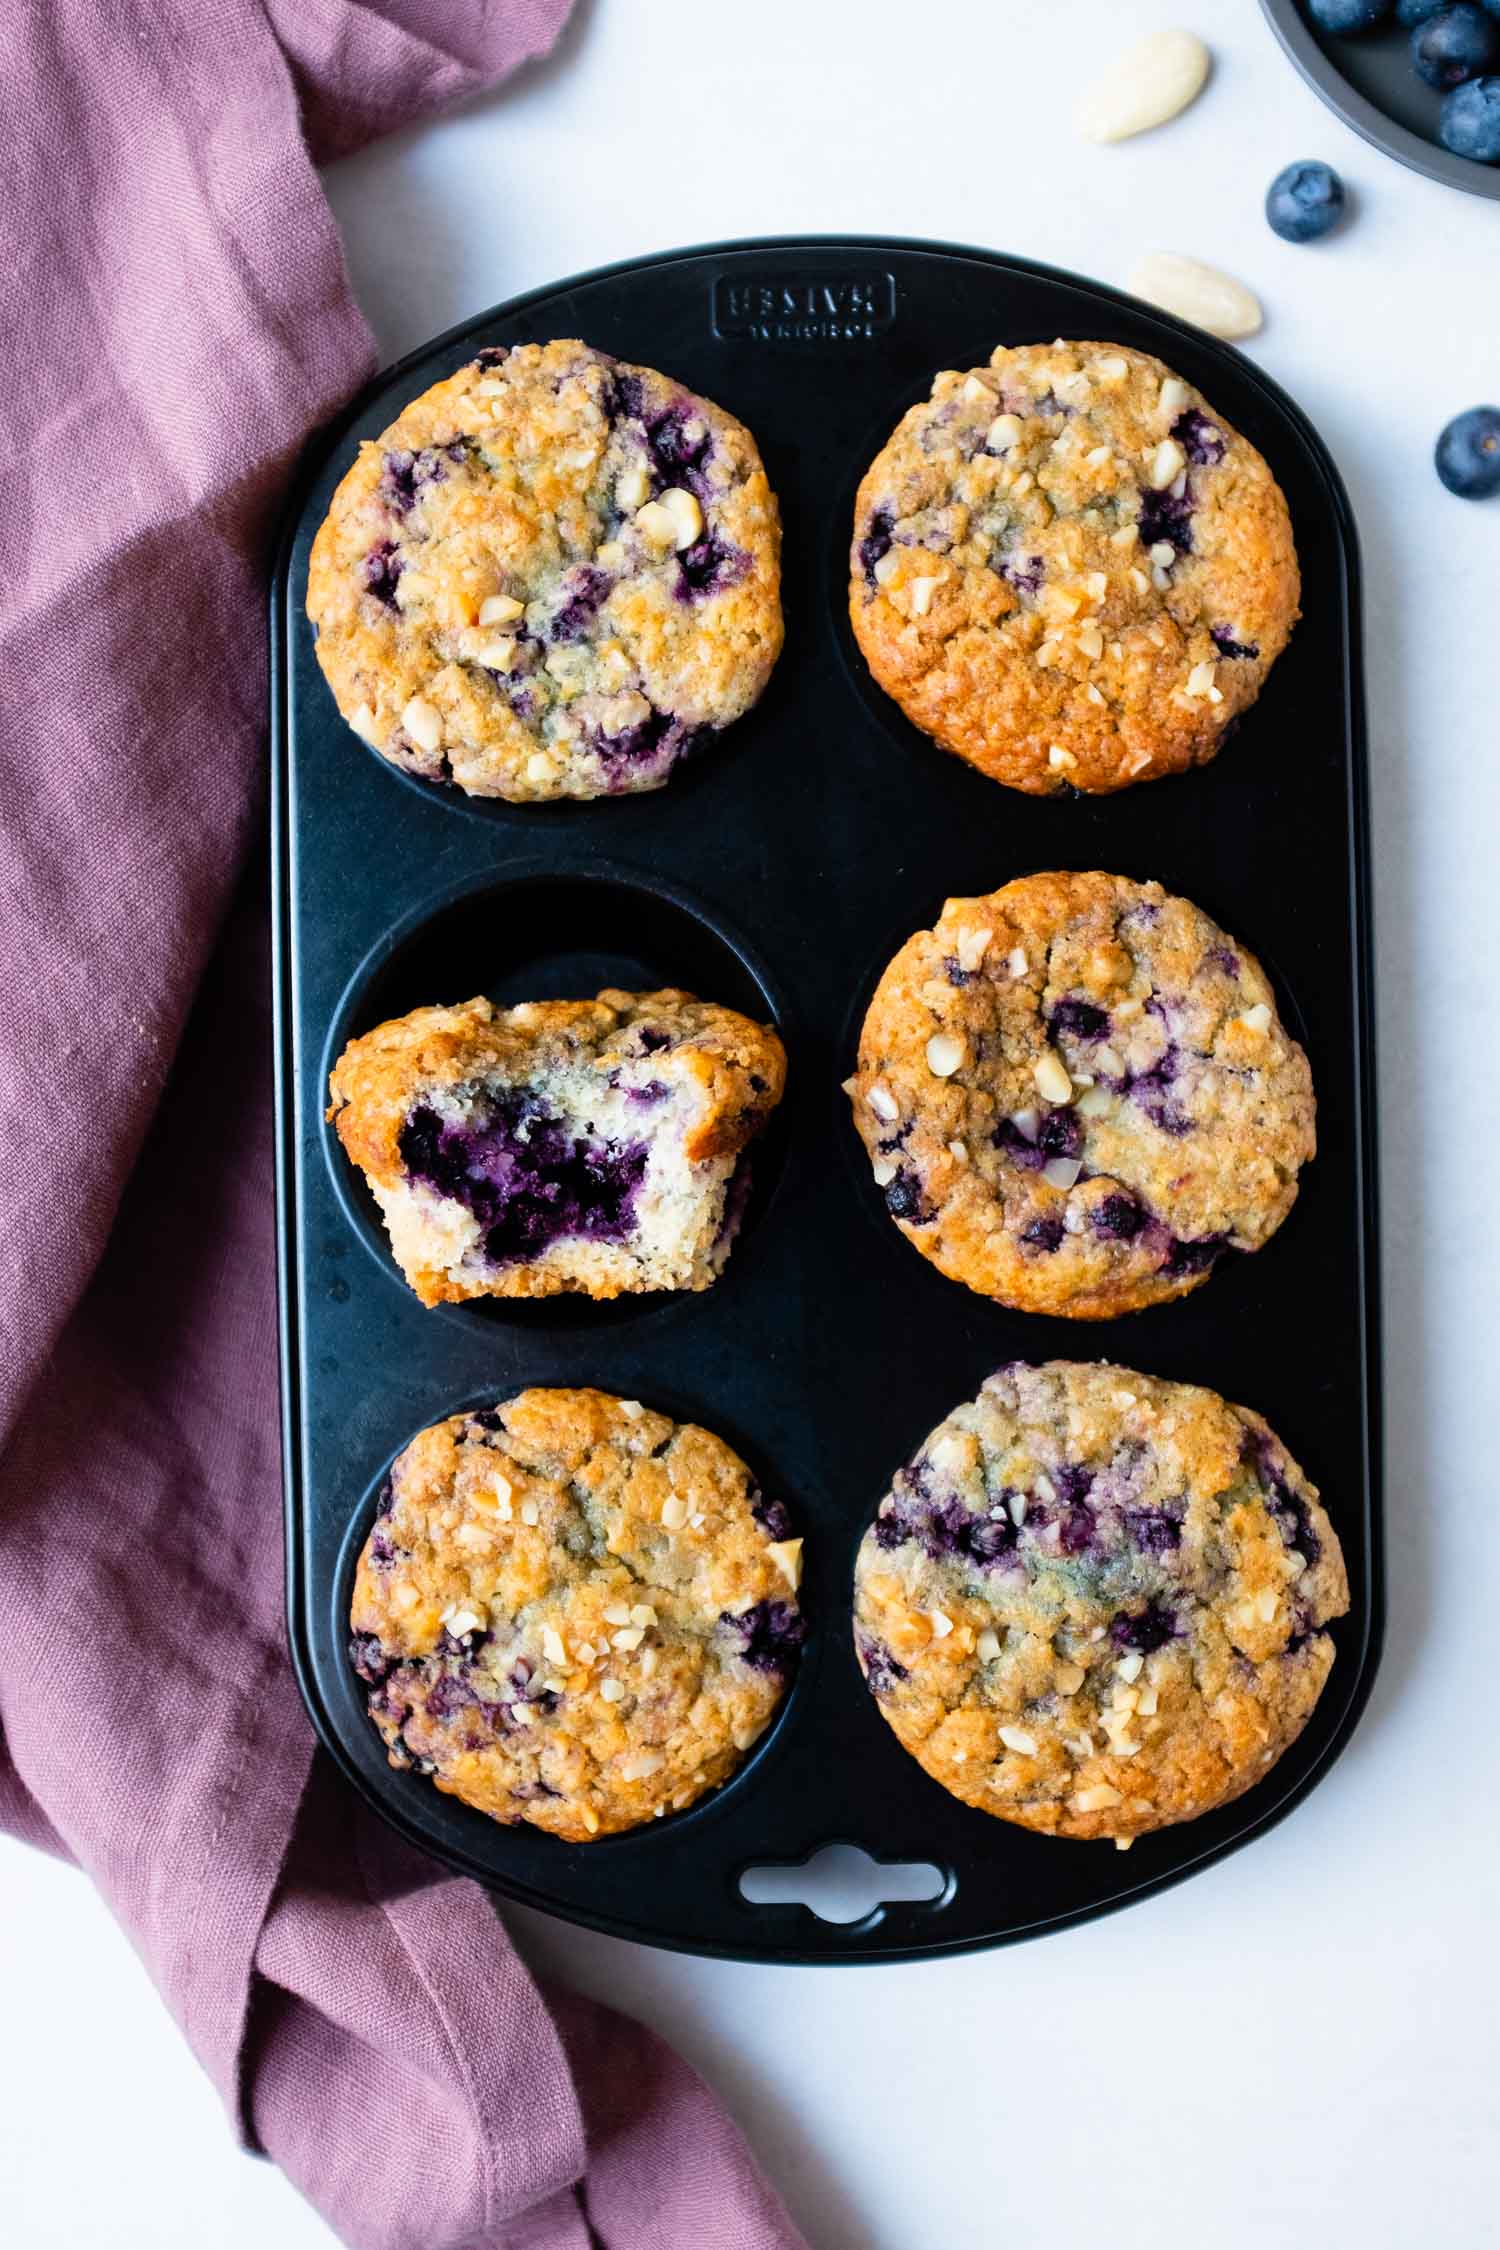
[1417,78]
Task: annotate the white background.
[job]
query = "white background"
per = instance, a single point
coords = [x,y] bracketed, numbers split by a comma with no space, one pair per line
[1298,2046]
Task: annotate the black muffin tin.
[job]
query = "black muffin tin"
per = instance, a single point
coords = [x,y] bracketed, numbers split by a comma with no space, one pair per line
[779,873]
[1369,82]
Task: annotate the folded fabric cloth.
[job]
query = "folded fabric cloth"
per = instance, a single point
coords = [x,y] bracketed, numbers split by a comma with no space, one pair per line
[178,317]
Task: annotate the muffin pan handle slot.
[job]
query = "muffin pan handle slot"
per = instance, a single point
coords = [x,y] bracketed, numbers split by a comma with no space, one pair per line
[842,1883]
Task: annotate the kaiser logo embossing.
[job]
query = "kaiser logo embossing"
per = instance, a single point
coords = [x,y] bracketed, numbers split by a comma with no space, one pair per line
[805,308]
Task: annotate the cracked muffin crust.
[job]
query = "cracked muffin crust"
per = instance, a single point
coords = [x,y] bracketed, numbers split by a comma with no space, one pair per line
[1076,1094]
[573,1611]
[1095,1603]
[552,576]
[592,1145]
[1069,570]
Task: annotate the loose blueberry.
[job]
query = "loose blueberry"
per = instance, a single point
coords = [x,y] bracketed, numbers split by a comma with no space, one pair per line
[1469,123]
[1468,453]
[1347,18]
[1456,44]
[1305,202]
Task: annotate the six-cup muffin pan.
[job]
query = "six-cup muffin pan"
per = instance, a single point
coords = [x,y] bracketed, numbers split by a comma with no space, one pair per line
[778,873]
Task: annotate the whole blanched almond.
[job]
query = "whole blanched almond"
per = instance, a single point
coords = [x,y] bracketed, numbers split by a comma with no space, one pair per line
[1145,86]
[1195,292]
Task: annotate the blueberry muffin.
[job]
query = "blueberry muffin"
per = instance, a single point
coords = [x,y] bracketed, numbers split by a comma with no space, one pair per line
[594,1145]
[574,1612]
[553,576]
[1070,570]
[1096,1603]
[1076,1095]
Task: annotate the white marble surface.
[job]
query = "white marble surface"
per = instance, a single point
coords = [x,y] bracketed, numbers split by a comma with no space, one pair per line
[1297,2047]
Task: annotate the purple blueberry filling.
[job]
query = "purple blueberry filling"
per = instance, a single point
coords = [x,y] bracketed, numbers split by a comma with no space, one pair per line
[1079,1019]
[1227,646]
[904,1198]
[875,545]
[1119,1218]
[1151,1531]
[369,1659]
[770,1515]
[1059,1133]
[770,1634]
[584,591]
[882,1672]
[1150,1089]
[1023,574]
[661,739]
[1044,1234]
[386,1498]
[406,474]
[1189,1257]
[957,975]
[709,566]
[940,1524]
[1201,440]
[383,1550]
[1149,1629]
[383,567]
[1222,958]
[1165,517]
[675,455]
[1294,1520]
[524,1177]
[493,355]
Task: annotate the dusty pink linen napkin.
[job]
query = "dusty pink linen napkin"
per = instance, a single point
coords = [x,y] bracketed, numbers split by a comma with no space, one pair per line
[176,317]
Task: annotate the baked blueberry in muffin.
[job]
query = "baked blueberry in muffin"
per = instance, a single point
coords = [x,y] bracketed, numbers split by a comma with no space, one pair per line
[574,1612]
[1077,1095]
[587,1145]
[554,575]
[1095,1603]
[1070,570]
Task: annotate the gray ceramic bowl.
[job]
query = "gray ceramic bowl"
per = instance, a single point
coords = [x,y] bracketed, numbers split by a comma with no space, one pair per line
[1370,83]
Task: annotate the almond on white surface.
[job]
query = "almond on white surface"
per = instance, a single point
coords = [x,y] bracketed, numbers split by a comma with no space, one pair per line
[1195,292]
[1145,86]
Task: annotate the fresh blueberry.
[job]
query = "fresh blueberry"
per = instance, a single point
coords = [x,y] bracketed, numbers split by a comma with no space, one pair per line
[1468,453]
[1345,17]
[1469,123]
[1455,44]
[1304,202]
